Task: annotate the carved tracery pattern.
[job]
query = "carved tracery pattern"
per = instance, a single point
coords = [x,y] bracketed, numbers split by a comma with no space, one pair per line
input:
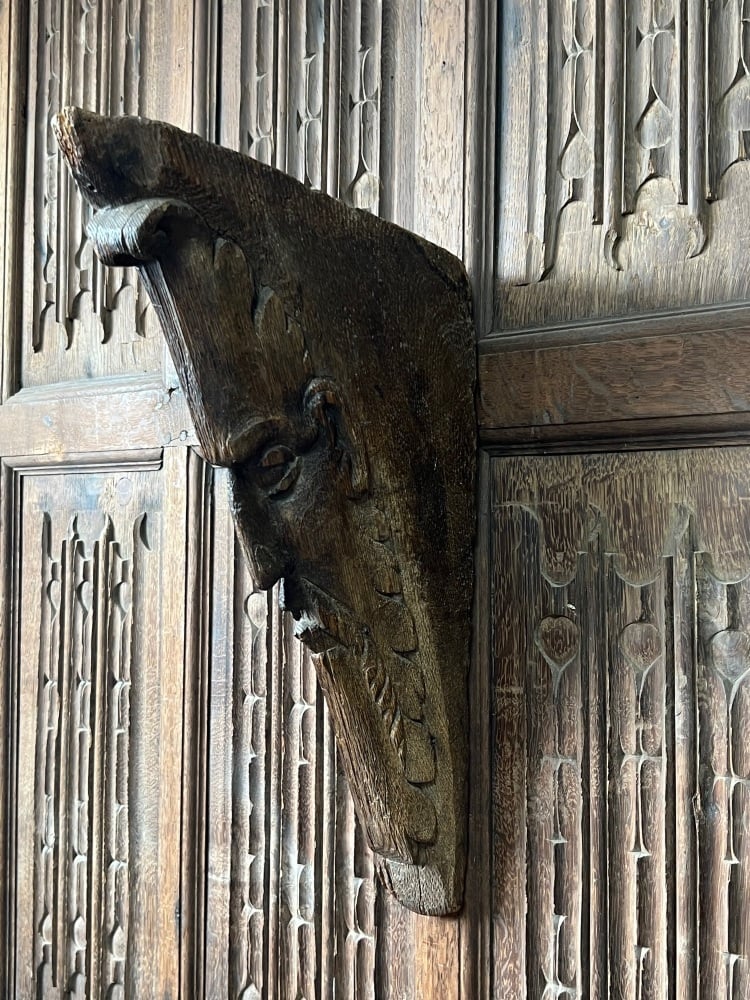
[326,60]
[90,52]
[88,581]
[622,754]
[630,132]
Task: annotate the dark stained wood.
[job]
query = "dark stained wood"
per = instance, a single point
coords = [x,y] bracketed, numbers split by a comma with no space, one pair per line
[627,379]
[318,376]
[342,96]
[622,181]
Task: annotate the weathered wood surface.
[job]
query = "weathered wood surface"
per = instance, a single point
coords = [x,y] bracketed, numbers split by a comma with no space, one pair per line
[271,82]
[284,82]
[620,673]
[328,361]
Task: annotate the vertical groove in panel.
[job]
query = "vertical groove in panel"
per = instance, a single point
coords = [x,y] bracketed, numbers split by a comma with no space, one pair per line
[651,862]
[509,792]
[248,928]
[359,164]
[297,943]
[9,702]
[14,81]
[355,902]
[82,320]
[81,588]
[192,918]
[301,895]
[476,924]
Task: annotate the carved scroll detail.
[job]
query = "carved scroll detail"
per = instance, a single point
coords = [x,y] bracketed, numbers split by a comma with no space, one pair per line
[320,398]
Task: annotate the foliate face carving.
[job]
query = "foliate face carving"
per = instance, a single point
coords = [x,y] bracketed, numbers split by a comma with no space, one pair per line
[328,361]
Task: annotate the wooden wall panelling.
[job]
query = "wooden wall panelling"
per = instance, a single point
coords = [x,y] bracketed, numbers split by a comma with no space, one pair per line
[480,113]
[244,796]
[620,777]
[286,97]
[399,110]
[8,720]
[287,100]
[198,545]
[292,79]
[475,925]
[654,379]
[13,33]
[290,882]
[97,816]
[621,167]
[360,111]
[81,321]
[6,75]
[248,68]
[439,171]
[508,754]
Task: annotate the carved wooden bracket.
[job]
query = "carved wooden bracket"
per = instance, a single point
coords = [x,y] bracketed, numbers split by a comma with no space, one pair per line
[328,360]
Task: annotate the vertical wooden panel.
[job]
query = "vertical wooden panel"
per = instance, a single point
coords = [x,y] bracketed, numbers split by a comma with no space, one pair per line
[97,814]
[625,621]
[438,212]
[622,168]
[82,320]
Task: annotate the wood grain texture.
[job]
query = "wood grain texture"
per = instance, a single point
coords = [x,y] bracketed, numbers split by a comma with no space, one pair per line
[87,421]
[81,321]
[624,378]
[248,313]
[13,39]
[101,870]
[621,176]
[623,610]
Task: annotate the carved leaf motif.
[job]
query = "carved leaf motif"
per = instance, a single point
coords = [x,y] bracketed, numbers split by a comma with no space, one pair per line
[557,638]
[730,651]
[654,128]
[641,645]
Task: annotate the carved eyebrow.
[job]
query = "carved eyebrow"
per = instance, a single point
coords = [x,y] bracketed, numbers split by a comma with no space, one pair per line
[249,437]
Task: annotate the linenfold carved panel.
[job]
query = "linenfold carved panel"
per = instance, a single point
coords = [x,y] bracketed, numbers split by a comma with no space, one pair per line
[625,172]
[621,770]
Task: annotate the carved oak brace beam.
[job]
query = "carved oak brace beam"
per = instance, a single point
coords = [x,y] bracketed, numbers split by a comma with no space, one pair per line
[328,361]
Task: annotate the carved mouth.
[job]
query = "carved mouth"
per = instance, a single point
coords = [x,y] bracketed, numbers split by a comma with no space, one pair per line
[318,639]
[320,621]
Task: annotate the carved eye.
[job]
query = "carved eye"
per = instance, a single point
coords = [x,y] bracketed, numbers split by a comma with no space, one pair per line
[279,469]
